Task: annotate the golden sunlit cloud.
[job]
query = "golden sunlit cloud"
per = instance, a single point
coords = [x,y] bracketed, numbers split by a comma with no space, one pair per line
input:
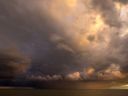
[118,6]
[71,3]
[89,71]
[89,36]
[97,24]
[83,42]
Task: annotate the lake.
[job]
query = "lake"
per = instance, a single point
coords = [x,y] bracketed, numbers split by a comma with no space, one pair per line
[30,92]
[54,88]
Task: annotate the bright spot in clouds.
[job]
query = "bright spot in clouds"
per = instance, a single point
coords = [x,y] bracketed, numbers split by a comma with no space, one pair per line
[71,3]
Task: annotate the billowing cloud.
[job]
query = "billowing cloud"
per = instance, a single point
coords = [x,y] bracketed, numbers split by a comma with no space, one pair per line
[45,78]
[108,11]
[74,76]
[62,37]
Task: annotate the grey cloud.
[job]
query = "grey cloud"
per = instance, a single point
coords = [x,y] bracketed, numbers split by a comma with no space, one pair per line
[30,29]
[108,11]
[122,1]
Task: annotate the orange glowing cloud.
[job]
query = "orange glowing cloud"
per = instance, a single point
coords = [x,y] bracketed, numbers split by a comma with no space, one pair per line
[118,6]
[71,3]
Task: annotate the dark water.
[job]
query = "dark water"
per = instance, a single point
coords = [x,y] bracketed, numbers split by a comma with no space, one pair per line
[32,92]
[91,88]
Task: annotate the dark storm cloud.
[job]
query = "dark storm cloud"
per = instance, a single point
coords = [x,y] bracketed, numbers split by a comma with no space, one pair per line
[108,11]
[30,29]
[12,63]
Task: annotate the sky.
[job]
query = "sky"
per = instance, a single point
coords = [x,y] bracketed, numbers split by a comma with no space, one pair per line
[77,39]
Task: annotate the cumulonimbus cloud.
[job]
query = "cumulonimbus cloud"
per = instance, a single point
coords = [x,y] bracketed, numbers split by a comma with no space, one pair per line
[61,38]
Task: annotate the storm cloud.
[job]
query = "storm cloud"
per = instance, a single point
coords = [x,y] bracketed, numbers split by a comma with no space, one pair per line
[30,29]
[61,37]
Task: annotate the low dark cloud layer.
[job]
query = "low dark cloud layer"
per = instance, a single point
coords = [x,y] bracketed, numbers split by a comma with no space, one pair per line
[12,63]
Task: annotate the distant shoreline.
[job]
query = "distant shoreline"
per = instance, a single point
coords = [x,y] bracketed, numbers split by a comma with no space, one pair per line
[36,84]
